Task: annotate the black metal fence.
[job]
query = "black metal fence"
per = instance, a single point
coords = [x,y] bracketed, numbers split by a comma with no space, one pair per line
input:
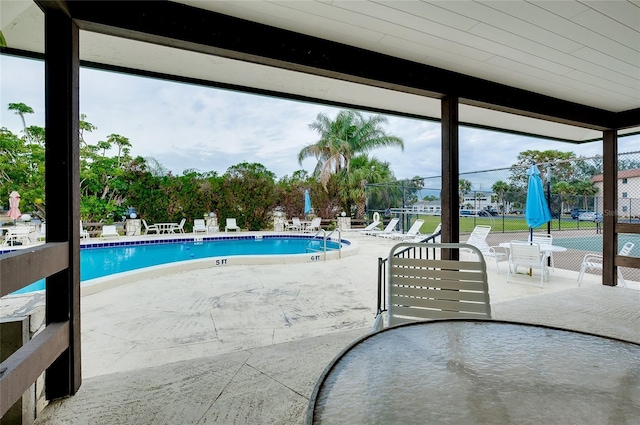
[497,197]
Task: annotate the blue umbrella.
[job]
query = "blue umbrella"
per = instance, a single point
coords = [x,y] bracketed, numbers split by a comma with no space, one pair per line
[307,202]
[536,211]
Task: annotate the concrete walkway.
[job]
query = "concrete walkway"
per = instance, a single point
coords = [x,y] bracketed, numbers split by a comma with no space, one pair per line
[246,344]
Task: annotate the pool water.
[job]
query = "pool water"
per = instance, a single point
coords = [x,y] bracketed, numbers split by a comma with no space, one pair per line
[105,261]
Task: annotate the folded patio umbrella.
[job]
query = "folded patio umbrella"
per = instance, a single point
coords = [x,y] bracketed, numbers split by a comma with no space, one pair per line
[536,210]
[14,202]
[307,202]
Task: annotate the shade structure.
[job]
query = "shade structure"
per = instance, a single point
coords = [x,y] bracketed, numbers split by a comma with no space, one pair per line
[14,202]
[536,211]
[307,202]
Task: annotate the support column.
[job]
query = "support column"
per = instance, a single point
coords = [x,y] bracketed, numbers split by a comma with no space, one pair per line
[450,174]
[62,188]
[610,207]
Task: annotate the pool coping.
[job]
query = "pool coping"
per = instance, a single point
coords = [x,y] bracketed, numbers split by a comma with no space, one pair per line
[92,286]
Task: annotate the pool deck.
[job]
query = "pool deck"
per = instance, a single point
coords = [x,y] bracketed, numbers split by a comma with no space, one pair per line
[245,344]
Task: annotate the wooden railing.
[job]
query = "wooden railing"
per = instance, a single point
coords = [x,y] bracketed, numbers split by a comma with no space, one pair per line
[17,270]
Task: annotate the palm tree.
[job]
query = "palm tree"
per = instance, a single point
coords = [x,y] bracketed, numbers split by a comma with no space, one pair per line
[587,189]
[500,188]
[343,138]
[464,187]
[564,189]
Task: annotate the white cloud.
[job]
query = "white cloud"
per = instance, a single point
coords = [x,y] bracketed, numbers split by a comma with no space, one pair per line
[186,126]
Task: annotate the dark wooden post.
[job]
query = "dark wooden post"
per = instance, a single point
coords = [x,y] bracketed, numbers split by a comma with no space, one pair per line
[610,207]
[450,174]
[62,189]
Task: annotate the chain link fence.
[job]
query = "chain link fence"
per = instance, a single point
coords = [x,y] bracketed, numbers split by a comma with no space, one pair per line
[574,190]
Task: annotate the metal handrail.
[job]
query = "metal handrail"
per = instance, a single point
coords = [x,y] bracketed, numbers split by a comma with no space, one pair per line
[337,229]
[324,241]
[382,267]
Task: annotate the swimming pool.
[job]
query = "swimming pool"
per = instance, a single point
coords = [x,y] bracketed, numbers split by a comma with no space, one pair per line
[107,259]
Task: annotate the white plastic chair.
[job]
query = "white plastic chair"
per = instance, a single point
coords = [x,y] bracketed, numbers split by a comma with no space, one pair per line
[296,224]
[179,228]
[372,226]
[478,238]
[231,225]
[413,231]
[391,227]
[199,225]
[149,228]
[109,231]
[19,234]
[432,288]
[527,254]
[544,239]
[594,262]
[314,225]
[83,232]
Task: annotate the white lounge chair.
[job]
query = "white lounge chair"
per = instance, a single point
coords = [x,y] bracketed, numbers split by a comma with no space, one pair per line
[478,238]
[372,226]
[231,225]
[109,231]
[199,225]
[528,255]
[594,262]
[420,238]
[431,288]
[413,231]
[391,227]
[18,235]
[148,229]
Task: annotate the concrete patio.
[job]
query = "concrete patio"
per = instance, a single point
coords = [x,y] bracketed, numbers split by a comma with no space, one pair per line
[246,344]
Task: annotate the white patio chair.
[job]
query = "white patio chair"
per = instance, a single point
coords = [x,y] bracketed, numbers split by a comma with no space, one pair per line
[296,224]
[109,231]
[84,234]
[149,228]
[526,254]
[231,225]
[594,262]
[544,239]
[199,225]
[179,228]
[314,226]
[42,235]
[432,288]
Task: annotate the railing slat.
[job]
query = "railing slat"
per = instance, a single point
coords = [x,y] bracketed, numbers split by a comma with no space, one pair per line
[26,266]
[20,370]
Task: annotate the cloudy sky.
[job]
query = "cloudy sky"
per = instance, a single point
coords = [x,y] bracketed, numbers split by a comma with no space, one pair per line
[193,127]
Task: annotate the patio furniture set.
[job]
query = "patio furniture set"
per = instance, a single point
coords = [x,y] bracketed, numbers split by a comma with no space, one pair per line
[437,333]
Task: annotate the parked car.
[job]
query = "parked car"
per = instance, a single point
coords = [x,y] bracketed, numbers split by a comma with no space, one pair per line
[590,216]
[576,212]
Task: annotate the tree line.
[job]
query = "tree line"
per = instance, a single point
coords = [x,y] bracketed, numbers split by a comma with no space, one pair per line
[112,180]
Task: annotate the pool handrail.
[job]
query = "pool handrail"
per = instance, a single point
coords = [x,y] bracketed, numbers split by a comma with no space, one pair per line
[324,239]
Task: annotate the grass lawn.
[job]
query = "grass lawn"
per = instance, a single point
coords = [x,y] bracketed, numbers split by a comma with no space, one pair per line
[511,223]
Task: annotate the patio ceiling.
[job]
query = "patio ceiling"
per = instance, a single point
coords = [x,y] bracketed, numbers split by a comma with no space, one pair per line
[559,69]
